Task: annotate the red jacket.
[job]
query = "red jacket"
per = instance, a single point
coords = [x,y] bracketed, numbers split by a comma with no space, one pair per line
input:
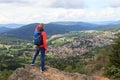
[43,34]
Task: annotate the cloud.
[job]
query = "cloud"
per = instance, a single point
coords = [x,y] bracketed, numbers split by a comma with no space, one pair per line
[42,3]
[47,11]
[31,15]
[114,3]
[68,4]
[49,3]
[105,14]
[12,1]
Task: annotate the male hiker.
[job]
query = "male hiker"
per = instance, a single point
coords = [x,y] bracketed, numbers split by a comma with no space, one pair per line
[41,45]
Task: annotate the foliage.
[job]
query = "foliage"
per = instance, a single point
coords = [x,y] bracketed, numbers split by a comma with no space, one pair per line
[70,64]
[5,74]
[13,54]
[113,67]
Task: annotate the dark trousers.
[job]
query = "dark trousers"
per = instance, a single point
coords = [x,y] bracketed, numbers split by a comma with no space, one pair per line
[42,50]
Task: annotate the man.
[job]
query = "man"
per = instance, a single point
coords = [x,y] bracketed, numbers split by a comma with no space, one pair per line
[42,47]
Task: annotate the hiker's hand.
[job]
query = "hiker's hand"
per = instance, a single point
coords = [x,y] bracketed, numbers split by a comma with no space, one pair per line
[46,49]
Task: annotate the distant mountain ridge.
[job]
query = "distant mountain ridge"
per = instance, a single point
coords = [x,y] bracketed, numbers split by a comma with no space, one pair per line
[11,25]
[4,29]
[112,27]
[26,31]
[72,23]
[108,22]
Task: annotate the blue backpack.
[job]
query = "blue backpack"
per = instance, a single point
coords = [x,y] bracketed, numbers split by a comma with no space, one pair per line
[38,38]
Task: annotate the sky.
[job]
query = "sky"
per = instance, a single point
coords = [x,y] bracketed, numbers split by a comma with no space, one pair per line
[45,11]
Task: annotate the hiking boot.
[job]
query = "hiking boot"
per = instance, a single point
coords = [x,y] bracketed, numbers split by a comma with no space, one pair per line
[42,70]
[32,64]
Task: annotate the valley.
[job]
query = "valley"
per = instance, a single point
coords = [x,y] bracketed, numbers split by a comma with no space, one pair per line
[82,51]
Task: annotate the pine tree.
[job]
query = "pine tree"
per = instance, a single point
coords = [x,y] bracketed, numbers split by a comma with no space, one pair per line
[113,67]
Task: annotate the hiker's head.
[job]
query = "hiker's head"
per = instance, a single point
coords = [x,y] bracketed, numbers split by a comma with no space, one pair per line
[41,25]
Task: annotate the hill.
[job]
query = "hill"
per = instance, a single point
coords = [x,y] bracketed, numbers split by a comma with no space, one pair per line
[26,32]
[4,29]
[108,22]
[64,27]
[33,73]
[109,27]
[11,25]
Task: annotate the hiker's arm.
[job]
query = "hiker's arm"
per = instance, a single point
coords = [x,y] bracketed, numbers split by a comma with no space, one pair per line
[44,40]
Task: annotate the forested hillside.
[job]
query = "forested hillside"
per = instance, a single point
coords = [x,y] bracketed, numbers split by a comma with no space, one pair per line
[4,29]
[110,27]
[26,32]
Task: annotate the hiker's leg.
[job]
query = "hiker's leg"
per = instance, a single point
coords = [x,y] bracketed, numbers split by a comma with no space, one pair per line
[35,55]
[42,58]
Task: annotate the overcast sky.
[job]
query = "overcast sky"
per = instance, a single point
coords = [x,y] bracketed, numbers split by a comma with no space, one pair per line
[31,11]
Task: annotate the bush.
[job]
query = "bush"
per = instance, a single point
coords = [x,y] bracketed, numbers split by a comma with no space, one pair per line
[112,71]
[113,67]
[5,74]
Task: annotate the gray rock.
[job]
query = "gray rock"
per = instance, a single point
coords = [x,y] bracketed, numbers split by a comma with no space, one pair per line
[33,73]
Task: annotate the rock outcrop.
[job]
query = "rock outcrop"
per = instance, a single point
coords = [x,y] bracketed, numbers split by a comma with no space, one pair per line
[33,73]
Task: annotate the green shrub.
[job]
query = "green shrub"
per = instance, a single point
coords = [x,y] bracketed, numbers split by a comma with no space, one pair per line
[113,67]
[5,74]
[112,71]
